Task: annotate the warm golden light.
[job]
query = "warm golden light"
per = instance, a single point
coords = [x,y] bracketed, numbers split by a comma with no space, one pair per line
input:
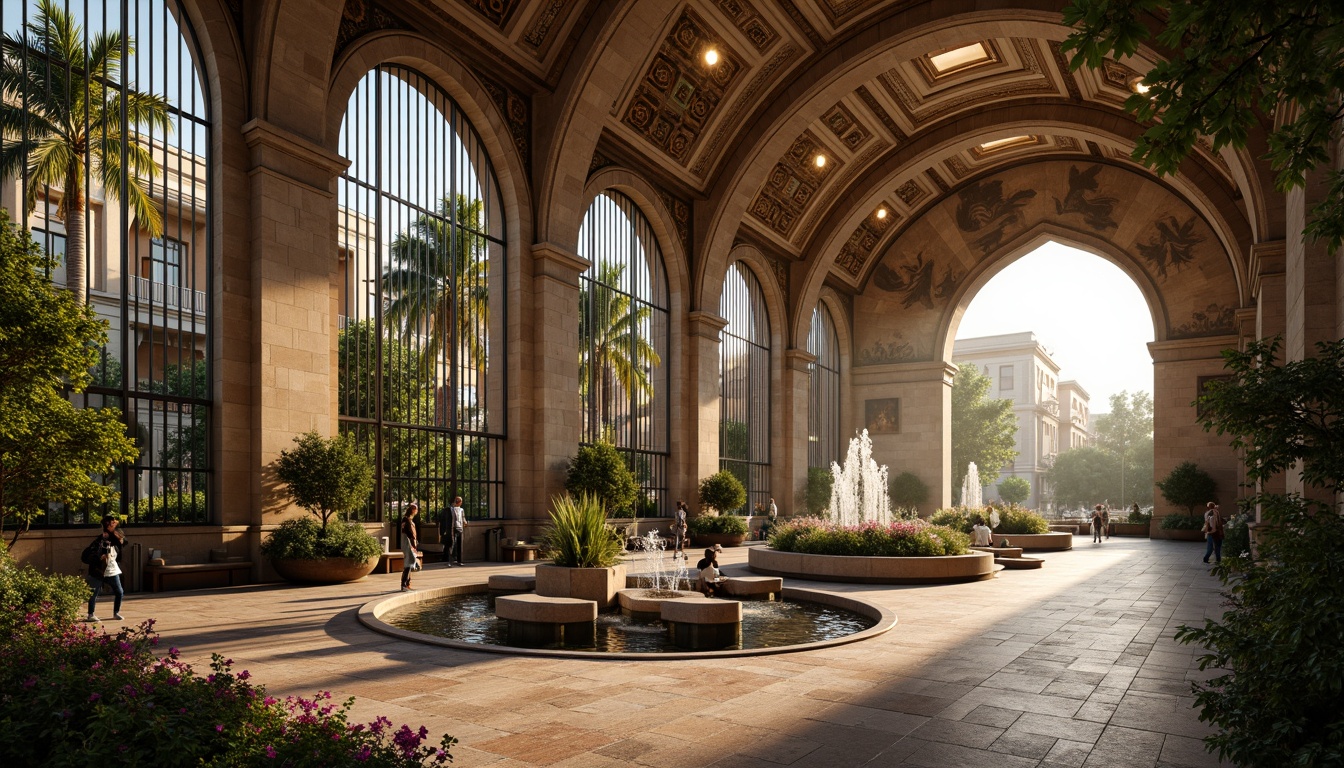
[820,160]
[990,146]
[957,58]
[1139,87]
[711,57]
[881,213]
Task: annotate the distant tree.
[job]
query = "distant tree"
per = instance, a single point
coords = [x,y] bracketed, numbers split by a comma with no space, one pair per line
[907,490]
[1187,486]
[1014,490]
[723,492]
[614,352]
[1126,434]
[1082,477]
[819,482]
[983,431]
[1231,69]
[50,451]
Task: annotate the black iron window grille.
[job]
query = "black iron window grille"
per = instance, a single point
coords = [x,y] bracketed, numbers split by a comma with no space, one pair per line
[744,385]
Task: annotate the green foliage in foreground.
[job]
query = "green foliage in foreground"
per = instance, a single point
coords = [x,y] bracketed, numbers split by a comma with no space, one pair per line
[49,449]
[904,538]
[578,536]
[25,590]
[301,538]
[1277,697]
[1182,523]
[717,524]
[723,492]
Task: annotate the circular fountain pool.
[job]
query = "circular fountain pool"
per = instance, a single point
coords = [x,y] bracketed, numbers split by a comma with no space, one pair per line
[461,617]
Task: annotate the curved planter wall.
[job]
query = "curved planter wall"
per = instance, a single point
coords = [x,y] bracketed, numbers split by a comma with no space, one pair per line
[948,569]
[1037,542]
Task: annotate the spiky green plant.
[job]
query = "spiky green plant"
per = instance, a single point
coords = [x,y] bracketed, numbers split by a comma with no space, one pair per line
[579,536]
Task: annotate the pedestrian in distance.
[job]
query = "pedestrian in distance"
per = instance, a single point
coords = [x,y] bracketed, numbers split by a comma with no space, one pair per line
[450,529]
[410,544]
[1097,524]
[1213,533]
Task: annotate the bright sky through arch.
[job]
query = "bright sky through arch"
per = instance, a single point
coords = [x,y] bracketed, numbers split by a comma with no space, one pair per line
[1084,309]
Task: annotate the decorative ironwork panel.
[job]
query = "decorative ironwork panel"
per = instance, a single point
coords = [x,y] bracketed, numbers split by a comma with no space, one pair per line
[744,385]
[823,416]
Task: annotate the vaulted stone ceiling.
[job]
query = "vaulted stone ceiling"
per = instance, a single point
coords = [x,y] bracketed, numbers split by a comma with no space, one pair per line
[900,117]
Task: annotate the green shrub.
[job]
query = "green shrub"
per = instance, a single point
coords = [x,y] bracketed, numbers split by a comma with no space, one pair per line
[23,590]
[819,482]
[1187,486]
[1237,536]
[1014,490]
[326,476]
[578,536]
[722,492]
[1017,520]
[171,507]
[717,524]
[904,538]
[956,518]
[302,538]
[600,471]
[71,695]
[1182,523]
[907,490]
[1139,517]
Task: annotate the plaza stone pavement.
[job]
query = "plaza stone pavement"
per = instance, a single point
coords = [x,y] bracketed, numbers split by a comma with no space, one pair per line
[1069,665]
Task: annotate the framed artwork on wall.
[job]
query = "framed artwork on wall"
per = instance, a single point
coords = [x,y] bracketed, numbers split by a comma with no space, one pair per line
[883,417]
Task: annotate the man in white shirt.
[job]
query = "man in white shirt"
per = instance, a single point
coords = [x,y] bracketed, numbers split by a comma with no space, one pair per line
[980,534]
[451,532]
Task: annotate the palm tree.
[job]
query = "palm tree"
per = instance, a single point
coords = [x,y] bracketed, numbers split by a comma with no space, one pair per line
[437,282]
[62,109]
[612,344]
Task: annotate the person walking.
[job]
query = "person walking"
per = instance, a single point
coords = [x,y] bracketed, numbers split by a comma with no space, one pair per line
[1213,533]
[1096,524]
[451,530]
[101,557]
[1106,521]
[679,527]
[409,544]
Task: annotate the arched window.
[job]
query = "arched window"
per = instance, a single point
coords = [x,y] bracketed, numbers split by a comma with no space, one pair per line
[744,384]
[823,416]
[420,330]
[132,231]
[623,342]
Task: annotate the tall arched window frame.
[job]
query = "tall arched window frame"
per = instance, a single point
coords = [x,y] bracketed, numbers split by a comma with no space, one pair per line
[624,336]
[146,220]
[420,348]
[823,416]
[744,385]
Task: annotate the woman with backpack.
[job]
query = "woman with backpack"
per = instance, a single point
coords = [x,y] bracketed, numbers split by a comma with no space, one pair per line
[101,557]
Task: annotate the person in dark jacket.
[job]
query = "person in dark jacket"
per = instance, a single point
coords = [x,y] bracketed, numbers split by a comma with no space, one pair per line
[101,557]
[409,545]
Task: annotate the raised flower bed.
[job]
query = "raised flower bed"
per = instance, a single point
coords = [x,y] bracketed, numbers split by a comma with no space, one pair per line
[904,552]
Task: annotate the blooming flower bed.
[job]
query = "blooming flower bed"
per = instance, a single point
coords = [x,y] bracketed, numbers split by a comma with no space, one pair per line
[71,695]
[902,538]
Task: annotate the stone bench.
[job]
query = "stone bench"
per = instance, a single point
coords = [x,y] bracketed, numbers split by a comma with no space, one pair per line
[998,552]
[1019,563]
[517,553]
[753,587]
[511,582]
[395,562]
[167,577]
[703,623]
[536,620]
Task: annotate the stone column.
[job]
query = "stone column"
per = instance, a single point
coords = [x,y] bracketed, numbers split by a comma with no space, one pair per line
[557,425]
[1309,276]
[920,441]
[789,479]
[1268,288]
[1178,367]
[699,435]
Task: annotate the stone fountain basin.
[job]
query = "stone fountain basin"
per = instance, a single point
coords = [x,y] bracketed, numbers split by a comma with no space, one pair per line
[947,569]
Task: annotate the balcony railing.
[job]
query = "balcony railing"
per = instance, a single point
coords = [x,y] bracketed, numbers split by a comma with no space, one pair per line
[170,296]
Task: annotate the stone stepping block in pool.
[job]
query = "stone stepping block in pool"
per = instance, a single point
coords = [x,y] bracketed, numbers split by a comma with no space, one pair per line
[1019,563]
[536,620]
[703,623]
[999,552]
[511,582]
[753,587]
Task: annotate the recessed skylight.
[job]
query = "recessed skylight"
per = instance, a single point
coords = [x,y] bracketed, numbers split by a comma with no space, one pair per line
[958,58]
[1011,141]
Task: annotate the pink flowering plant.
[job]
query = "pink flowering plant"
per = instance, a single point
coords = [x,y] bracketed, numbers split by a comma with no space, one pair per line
[71,695]
[902,538]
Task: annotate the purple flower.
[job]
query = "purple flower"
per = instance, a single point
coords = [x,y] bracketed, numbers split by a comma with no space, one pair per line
[270,751]
[219,728]
[95,696]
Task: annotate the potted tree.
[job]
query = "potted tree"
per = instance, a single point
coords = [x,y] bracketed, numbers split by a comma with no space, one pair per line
[1186,486]
[327,477]
[723,493]
[585,553]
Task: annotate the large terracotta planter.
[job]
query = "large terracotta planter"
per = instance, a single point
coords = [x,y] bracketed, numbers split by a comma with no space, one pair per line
[1129,529]
[722,539]
[597,584]
[332,570]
